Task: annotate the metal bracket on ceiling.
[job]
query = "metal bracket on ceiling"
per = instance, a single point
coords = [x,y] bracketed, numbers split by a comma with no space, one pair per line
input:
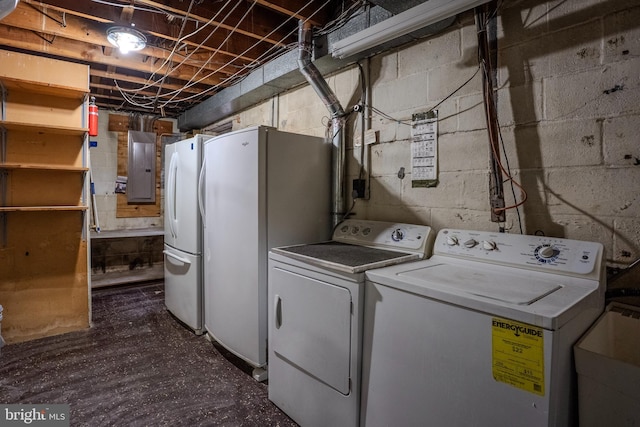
[62,21]
[44,38]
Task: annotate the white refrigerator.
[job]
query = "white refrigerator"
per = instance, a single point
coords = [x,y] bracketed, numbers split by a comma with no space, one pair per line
[262,188]
[183,232]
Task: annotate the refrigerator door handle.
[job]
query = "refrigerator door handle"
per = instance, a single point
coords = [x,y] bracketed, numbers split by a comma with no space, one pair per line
[277,311]
[200,191]
[176,257]
[173,168]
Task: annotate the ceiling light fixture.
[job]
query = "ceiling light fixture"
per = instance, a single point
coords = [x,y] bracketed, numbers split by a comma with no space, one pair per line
[126,39]
[427,13]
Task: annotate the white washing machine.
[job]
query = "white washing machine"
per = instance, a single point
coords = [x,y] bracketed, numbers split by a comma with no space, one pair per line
[315,316]
[481,333]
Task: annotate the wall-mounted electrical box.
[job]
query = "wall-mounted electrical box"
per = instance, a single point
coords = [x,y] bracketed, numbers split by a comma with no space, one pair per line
[141,183]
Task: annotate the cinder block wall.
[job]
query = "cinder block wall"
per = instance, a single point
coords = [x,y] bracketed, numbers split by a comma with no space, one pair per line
[110,255]
[568,96]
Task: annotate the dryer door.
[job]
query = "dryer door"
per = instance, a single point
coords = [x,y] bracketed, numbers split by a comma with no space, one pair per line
[311,326]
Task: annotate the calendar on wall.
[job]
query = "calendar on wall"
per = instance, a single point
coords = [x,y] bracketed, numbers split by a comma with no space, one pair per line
[424,149]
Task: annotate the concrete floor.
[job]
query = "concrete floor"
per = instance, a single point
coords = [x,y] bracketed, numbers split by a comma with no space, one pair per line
[137,366]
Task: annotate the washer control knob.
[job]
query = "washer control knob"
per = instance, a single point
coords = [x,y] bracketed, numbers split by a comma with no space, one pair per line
[489,245]
[452,240]
[344,228]
[397,235]
[470,243]
[547,252]
[355,230]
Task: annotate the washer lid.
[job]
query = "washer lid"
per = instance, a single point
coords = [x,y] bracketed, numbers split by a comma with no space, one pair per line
[534,297]
[503,286]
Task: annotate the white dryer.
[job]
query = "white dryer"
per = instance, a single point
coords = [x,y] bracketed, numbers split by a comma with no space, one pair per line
[481,333]
[315,316]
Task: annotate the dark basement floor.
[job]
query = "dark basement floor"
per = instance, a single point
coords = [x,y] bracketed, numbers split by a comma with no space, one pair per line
[137,366]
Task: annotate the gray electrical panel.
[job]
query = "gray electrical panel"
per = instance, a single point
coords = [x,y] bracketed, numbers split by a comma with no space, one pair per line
[141,182]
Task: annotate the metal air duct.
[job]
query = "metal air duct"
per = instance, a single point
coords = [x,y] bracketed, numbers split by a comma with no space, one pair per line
[6,7]
[338,119]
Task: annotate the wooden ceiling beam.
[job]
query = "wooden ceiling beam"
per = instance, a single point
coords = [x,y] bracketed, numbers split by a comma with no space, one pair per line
[139,80]
[118,99]
[116,104]
[149,92]
[160,25]
[156,26]
[298,9]
[82,30]
[259,24]
[85,52]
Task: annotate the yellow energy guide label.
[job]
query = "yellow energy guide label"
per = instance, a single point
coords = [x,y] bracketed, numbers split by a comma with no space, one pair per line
[518,354]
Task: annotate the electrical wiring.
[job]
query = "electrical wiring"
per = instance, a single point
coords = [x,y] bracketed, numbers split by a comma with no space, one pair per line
[407,121]
[191,83]
[176,44]
[123,5]
[176,92]
[351,12]
[170,58]
[455,91]
[388,117]
[205,64]
[268,52]
[230,78]
[490,102]
[222,43]
[133,96]
[145,101]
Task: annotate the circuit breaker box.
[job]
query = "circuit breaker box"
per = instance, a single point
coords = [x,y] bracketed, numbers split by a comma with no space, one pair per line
[141,182]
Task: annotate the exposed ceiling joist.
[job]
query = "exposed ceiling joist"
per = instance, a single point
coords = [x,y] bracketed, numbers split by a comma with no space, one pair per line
[194,48]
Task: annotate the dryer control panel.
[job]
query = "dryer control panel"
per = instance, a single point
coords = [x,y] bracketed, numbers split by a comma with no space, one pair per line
[562,256]
[394,236]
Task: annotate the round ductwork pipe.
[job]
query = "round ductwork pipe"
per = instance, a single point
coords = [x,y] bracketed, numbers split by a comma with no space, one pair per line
[6,7]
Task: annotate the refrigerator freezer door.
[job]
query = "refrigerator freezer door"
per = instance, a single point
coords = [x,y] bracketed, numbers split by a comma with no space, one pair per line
[169,190]
[234,235]
[182,216]
[262,188]
[183,298]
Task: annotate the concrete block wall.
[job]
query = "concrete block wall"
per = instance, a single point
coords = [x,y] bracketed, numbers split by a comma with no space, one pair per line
[569,112]
[109,255]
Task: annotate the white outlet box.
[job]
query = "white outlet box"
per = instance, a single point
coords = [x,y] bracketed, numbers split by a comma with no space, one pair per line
[370,138]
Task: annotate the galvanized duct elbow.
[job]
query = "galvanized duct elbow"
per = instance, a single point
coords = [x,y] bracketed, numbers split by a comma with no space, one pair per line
[7,6]
[338,120]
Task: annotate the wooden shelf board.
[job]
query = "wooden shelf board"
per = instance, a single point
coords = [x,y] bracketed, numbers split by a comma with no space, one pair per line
[44,88]
[39,166]
[41,208]
[61,130]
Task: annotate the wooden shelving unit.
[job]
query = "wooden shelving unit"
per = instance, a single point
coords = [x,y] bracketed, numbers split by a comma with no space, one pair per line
[43,88]
[44,248]
[43,128]
[36,166]
[43,208]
